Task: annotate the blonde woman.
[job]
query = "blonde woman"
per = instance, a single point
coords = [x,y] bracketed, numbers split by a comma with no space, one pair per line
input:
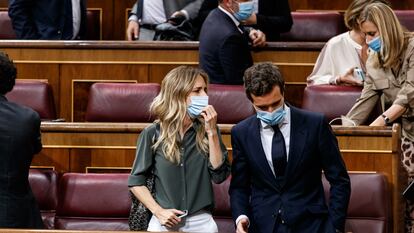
[343,53]
[390,68]
[188,154]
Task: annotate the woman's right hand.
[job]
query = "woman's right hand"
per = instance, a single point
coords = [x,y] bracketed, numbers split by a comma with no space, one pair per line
[168,217]
[348,79]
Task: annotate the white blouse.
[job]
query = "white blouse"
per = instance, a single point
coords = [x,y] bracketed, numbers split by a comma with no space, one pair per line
[340,54]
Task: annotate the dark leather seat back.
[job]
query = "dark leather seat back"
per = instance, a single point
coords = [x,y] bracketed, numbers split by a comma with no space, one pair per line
[36,95]
[406,18]
[44,184]
[93,202]
[333,101]
[230,102]
[6,28]
[314,26]
[121,102]
[94,24]
[369,209]
[222,210]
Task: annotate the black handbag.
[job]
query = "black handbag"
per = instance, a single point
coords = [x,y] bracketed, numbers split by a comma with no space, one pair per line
[175,29]
[139,215]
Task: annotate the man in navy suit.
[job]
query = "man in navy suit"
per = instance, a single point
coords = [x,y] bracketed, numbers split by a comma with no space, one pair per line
[48,19]
[19,141]
[224,51]
[271,16]
[278,158]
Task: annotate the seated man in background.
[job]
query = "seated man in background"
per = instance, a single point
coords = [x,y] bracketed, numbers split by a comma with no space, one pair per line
[48,19]
[147,14]
[19,141]
[270,16]
[224,51]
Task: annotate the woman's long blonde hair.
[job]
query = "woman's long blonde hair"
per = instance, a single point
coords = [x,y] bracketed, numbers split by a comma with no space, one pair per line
[170,107]
[394,37]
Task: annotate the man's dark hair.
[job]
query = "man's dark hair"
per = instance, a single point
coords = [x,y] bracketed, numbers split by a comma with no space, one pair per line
[260,79]
[7,74]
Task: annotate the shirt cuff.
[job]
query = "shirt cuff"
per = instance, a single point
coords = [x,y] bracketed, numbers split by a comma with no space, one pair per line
[185,13]
[242,217]
[133,18]
[401,101]
[334,80]
[136,180]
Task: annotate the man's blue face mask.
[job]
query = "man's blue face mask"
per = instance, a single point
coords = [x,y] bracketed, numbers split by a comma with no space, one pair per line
[196,106]
[271,118]
[245,10]
[375,44]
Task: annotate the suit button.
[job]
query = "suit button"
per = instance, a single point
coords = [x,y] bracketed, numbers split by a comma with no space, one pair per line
[59,32]
[280,211]
[283,221]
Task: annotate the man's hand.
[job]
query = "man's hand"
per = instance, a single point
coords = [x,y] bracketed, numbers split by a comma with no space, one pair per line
[258,38]
[243,226]
[132,30]
[177,18]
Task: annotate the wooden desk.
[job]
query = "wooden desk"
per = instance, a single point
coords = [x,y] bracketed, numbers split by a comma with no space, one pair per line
[376,149]
[71,67]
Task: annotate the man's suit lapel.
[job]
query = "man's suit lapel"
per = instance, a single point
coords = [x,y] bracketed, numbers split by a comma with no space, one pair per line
[259,154]
[298,136]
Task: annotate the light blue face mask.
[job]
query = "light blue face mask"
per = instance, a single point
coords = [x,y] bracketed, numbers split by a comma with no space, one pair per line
[375,44]
[197,104]
[271,118]
[245,10]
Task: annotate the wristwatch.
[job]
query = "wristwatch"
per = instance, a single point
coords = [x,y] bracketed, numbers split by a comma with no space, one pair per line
[386,119]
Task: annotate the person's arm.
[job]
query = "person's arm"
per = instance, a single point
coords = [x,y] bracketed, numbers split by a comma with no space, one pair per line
[20,13]
[167,217]
[205,9]
[235,58]
[192,8]
[363,106]
[404,99]
[132,31]
[218,163]
[210,124]
[240,190]
[142,166]
[336,173]
[37,140]
[323,71]
[280,22]
[392,114]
